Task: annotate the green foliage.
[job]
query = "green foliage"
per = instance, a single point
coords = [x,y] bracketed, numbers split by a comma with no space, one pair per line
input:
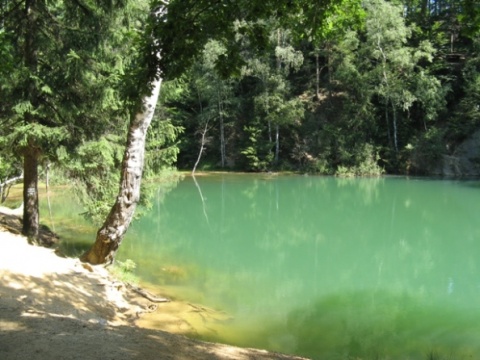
[187,26]
[94,167]
[67,79]
[6,55]
[64,88]
[258,158]
[215,101]
[364,162]
[162,146]
[397,63]
[466,119]
[6,170]
[384,80]
[45,137]
[94,171]
[128,266]
[469,19]
[322,166]
[303,85]
[425,151]
[125,271]
[431,95]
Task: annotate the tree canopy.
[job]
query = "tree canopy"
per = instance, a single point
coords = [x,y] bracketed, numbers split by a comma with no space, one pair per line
[345,87]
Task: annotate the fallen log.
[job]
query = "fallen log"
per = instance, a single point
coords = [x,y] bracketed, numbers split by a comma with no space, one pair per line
[6,185]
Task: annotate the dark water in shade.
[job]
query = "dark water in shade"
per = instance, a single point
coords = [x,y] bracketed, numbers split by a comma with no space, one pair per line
[322,267]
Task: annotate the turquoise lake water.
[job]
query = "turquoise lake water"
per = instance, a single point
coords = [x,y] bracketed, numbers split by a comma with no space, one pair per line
[383,268]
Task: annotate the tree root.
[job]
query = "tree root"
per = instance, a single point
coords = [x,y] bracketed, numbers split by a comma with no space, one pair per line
[147,295]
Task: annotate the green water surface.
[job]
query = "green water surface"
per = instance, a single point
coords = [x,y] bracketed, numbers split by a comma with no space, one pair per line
[322,267]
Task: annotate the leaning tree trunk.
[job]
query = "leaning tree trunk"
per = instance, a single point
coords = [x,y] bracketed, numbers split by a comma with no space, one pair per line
[115,226]
[6,185]
[202,147]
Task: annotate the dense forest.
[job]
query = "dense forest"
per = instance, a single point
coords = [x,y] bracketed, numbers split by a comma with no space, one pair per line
[336,87]
[379,86]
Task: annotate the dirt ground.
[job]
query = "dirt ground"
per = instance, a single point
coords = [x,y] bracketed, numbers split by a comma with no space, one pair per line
[53,307]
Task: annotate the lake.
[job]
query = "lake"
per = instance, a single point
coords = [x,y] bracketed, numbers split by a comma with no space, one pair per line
[329,268]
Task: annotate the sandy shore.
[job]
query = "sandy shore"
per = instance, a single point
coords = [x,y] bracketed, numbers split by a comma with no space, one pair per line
[56,308]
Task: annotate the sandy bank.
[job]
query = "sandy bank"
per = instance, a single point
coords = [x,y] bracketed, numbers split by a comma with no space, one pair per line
[55,308]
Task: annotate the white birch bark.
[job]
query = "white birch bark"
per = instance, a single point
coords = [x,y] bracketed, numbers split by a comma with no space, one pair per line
[111,234]
[202,147]
[115,226]
[6,185]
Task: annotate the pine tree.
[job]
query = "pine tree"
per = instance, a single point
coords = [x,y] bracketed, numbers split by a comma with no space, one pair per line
[58,90]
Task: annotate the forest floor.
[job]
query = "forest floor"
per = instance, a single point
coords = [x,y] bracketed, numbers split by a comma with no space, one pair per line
[52,307]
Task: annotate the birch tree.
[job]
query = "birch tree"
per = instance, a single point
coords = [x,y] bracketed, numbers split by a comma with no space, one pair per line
[111,234]
[177,32]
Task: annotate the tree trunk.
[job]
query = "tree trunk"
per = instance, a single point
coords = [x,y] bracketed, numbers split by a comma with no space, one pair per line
[317,75]
[395,137]
[277,143]
[115,226]
[222,130]
[202,147]
[31,153]
[222,141]
[388,124]
[30,194]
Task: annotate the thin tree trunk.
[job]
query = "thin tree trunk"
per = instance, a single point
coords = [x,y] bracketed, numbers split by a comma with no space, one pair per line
[222,141]
[388,124]
[47,188]
[222,130]
[317,77]
[115,226]
[202,146]
[395,138]
[269,129]
[277,142]
[277,127]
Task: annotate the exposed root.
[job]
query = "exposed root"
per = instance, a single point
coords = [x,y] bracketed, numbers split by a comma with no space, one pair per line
[147,295]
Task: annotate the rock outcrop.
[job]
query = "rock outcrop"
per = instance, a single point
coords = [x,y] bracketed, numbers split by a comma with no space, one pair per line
[465,160]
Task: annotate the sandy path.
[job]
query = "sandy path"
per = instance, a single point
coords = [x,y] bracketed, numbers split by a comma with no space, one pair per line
[53,308]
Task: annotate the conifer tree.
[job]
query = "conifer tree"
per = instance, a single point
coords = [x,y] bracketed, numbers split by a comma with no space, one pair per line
[57,91]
